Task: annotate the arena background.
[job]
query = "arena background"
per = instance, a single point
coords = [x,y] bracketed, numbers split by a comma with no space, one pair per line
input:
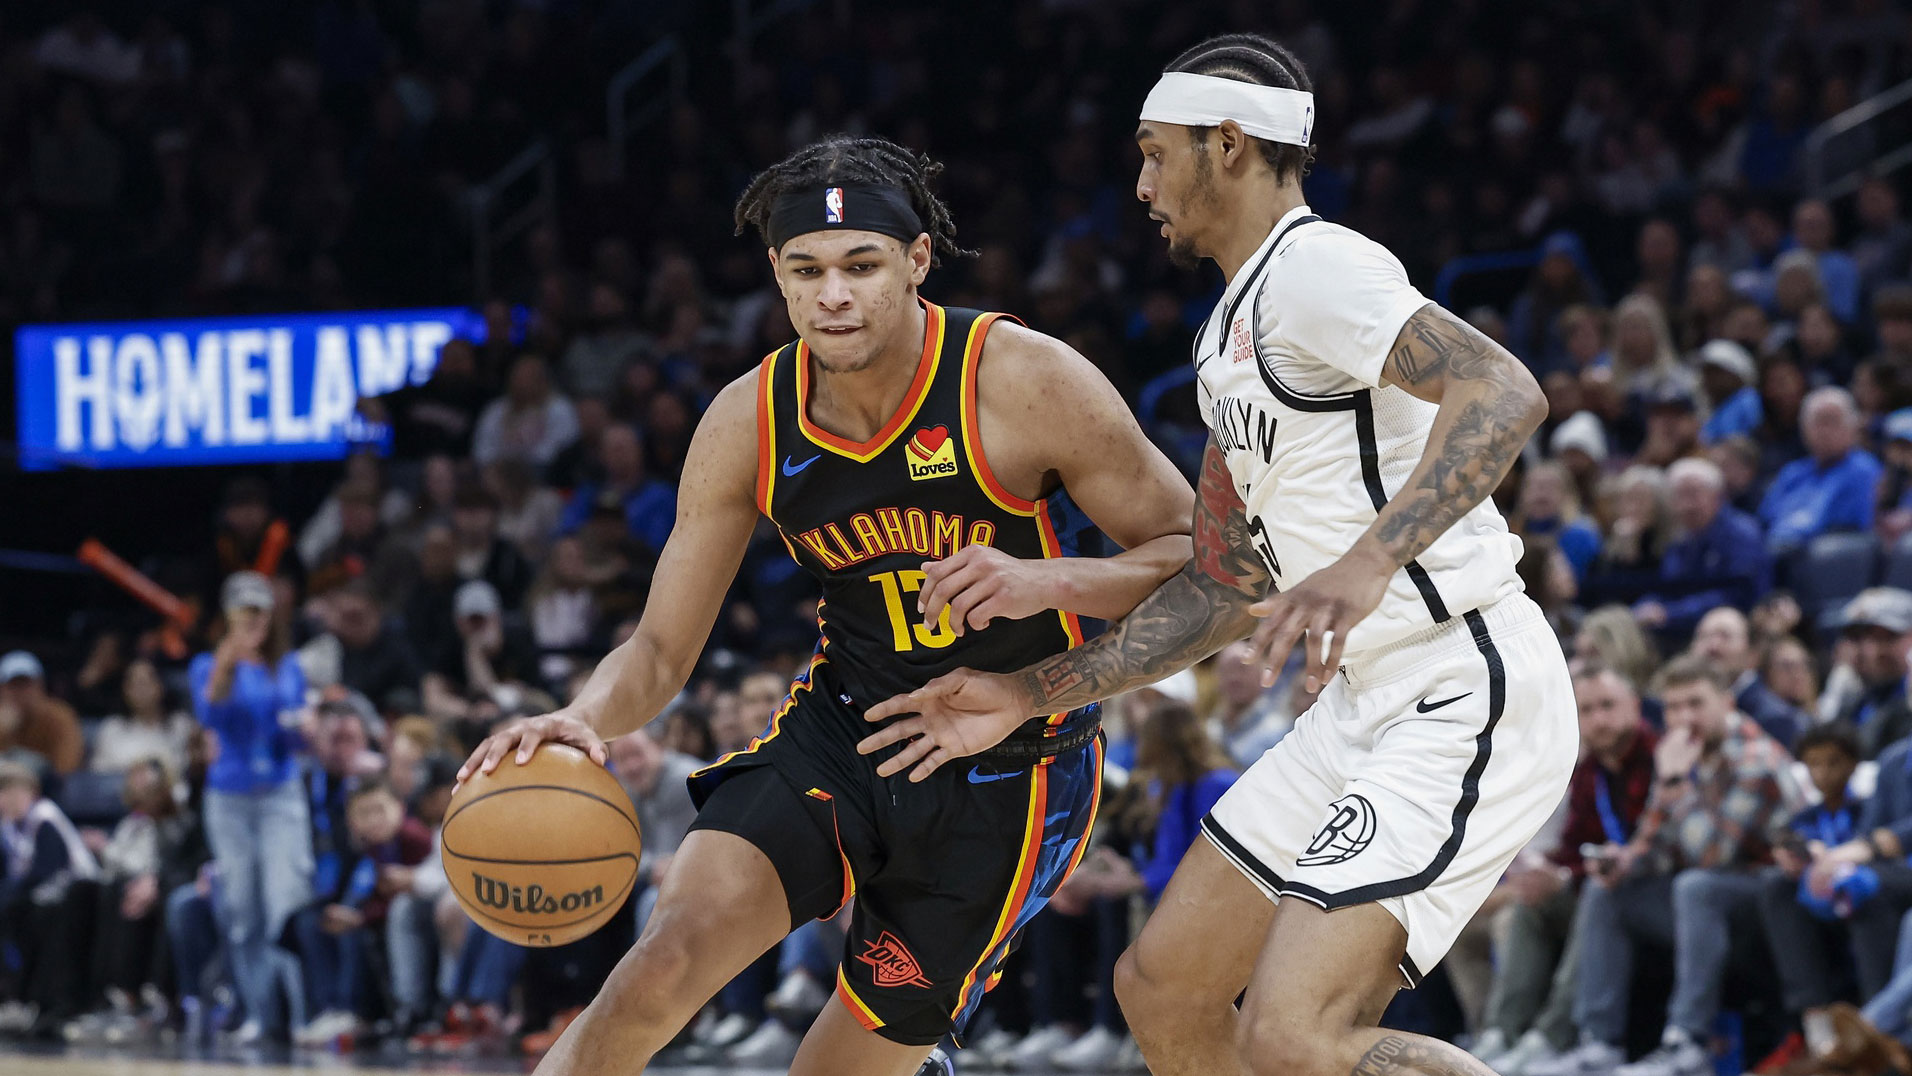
[555,179]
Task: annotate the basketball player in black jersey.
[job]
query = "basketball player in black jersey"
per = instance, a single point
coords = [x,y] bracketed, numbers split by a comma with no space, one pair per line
[906,452]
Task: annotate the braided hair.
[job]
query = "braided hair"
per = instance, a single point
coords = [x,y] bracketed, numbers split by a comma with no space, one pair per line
[1259,60]
[842,159]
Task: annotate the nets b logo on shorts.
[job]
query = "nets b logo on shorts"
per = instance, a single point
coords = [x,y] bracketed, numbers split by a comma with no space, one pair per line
[892,963]
[1349,829]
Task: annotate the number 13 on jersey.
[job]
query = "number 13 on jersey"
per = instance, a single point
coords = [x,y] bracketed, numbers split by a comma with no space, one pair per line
[909,631]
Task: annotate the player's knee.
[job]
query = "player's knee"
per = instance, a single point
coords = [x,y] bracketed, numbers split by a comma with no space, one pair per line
[1149,991]
[653,976]
[1283,1046]
[1133,990]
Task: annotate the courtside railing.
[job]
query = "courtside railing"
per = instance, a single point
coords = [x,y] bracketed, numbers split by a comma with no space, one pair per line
[1839,155]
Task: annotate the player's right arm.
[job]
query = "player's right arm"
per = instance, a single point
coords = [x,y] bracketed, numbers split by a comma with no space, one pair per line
[1199,610]
[716,512]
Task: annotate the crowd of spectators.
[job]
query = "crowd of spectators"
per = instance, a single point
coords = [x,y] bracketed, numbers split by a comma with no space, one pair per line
[241,821]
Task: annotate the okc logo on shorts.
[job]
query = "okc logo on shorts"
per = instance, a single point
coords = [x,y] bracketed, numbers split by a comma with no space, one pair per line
[833,205]
[1348,830]
[892,962]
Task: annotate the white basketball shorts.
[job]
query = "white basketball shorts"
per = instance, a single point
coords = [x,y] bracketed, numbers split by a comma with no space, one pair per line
[1415,779]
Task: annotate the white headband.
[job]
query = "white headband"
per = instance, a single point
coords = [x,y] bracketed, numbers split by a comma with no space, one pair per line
[1271,112]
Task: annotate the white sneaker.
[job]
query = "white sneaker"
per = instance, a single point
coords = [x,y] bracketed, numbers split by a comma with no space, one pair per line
[1488,1047]
[249,1033]
[771,1046]
[798,999]
[1092,1052]
[318,1031]
[1586,1059]
[729,1031]
[1678,1055]
[992,1049]
[1035,1050]
[1532,1048]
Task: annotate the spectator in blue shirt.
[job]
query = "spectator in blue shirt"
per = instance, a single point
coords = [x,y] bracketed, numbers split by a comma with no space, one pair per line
[1719,558]
[1814,232]
[1549,508]
[246,692]
[1728,376]
[649,504]
[1833,488]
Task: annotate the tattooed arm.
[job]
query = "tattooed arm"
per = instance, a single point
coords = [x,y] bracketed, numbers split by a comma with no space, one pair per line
[1489,405]
[1196,612]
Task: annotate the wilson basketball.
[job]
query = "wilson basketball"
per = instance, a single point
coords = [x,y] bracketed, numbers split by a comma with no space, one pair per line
[543,853]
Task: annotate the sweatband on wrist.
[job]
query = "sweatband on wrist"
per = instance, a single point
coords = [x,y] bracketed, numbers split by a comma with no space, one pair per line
[884,210]
[1272,112]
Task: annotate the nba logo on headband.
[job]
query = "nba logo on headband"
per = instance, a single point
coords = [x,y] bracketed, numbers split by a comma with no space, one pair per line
[833,205]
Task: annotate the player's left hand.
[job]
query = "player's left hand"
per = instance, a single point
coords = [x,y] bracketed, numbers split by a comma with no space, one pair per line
[957,714]
[979,583]
[1319,610]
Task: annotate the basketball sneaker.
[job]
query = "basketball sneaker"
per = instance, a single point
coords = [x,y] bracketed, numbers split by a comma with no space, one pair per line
[1093,1052]
[772,1045]
[1590,1058]
[1678,1055]
[938,1063]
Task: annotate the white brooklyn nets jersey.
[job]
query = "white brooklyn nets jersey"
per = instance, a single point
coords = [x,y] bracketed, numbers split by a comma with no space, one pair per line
[1289,366]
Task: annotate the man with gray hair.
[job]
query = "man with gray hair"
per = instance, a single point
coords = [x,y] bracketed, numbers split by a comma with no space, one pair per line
[1719,558]
[1833,488]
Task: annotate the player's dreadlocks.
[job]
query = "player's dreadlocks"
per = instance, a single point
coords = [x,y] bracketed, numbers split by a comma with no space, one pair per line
[1257,59]
[842,160]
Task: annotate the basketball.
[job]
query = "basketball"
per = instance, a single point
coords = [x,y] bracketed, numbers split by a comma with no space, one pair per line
[544,853]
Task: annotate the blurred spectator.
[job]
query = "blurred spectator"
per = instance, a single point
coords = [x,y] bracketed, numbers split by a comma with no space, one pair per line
[255,812]
[377,661]
[1738,461]
[429,622]
[156,848]
[1718,559]
[649,504]
[1612,634]
[151,727]
[1724,643]
[1882,250]
[1557,283]
[1808,939]
[385,847]
[1788,670]
[1247,719]
[1878,627]
[44,858]
[1673,416]
[654,776]
[32,720]
[361,549]
[562,610]
[364,473]
[1892,315]
[1683,879]
[528,513]
[1637,534]
[1529,1016]
[249,538]
[1813,230]
[1831,490]
[595,359]
[1550,509]
[1783,383]
[1729,377]
[1894,508]
[531,420]
[485,655]
[482,553]
[440,416]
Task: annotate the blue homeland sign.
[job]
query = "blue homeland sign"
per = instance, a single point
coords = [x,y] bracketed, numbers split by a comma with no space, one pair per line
[218,390]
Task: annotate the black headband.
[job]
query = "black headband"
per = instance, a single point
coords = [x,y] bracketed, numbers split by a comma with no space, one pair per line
[884,210]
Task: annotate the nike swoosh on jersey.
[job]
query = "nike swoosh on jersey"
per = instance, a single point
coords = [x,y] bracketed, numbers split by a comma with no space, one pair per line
[978,777]
[790,471]
[1425,706]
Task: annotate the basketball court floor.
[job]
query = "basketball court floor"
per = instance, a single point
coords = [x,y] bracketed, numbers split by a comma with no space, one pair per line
[57,1061]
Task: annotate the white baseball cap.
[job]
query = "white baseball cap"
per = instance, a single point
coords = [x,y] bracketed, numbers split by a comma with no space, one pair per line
[20,663]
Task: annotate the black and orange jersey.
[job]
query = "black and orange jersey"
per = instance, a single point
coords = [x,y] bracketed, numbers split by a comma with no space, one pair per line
[863,517]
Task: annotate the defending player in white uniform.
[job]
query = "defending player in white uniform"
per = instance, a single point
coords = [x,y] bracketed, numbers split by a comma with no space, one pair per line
[1356,432]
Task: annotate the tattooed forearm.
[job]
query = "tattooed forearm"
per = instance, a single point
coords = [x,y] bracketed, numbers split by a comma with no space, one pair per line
[1413,1055]
[1489,407]
[1197,612]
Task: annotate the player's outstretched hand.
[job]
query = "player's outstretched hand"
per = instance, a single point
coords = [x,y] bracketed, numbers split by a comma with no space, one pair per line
[978,584]
[1319,611]
[954,715]
[525,735]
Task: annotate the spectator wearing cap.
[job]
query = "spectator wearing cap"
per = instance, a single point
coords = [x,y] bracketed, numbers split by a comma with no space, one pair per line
[1833,488]
[1895,484]
[1877,628]
[1728,376]
[648,504]
[32,720]
[1580,444]
[376,660]
[255,811]
[484,654]
[1718,559]
[482,552]
[1672,424]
